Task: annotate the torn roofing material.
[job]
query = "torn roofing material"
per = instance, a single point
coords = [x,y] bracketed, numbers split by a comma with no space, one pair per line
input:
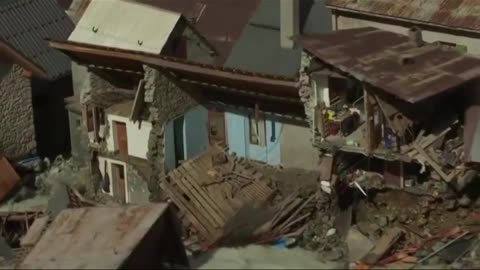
[392,62]
[24,27]
[459,14]
[220,21]
[96,237]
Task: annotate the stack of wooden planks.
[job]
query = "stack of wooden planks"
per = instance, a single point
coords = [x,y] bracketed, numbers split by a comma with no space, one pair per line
[208,195]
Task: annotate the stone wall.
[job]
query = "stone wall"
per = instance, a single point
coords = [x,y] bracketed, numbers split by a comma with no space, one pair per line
[17,131]
[137,186]
[166,102]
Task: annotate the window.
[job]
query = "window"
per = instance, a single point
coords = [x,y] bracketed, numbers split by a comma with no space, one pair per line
[257,130]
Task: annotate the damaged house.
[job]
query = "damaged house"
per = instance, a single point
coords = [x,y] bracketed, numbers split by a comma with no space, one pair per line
[113,98]
[407,104]
[144,105]
[450,23]
[34,79]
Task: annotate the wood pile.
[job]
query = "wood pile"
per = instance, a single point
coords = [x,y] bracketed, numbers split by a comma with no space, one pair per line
[209,191]
[290,219]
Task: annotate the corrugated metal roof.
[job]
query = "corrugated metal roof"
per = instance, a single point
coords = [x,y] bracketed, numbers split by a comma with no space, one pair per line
[125,25]
[463,14]
[26,24]
[391,62]
[221,22]
[93,238]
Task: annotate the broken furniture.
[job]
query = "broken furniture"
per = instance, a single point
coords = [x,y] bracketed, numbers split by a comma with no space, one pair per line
[208,196]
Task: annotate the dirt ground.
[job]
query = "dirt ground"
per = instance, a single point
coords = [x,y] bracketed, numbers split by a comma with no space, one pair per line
[263,257]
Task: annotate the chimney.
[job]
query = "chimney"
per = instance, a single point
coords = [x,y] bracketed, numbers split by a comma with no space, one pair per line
[289,22]
[415,36]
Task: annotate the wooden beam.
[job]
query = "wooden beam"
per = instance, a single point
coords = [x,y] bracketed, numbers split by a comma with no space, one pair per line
[369,122]
[282,84]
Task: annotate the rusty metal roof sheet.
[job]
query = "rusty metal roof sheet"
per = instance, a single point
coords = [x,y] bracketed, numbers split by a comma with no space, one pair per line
[221,22]
[94,238]
[462,14]
[390,62]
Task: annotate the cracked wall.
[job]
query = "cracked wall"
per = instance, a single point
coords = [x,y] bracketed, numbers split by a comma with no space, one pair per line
[17,131]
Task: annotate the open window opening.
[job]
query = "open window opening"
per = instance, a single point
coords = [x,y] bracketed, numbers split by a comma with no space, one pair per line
[257,130]
[96,123]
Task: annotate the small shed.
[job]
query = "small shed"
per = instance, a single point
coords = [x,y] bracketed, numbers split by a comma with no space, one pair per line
[135,236]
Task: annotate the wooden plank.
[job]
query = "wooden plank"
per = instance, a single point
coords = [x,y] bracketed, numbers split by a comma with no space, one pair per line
[295,214]
[432,163]
[208,202]
[35,232]
[196,199]
[212,190]
[388,239]
[198,221]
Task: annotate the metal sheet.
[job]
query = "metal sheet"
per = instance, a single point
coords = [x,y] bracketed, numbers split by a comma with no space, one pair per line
[93,238]
[375,56]
[125,25]
[463,14]
[24,26]
[220,21]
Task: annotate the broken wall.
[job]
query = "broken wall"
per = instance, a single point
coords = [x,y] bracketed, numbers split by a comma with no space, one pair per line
[166,102]
[137,186]
[17,132]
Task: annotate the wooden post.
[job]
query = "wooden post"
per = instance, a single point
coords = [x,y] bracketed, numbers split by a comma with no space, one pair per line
[369,134]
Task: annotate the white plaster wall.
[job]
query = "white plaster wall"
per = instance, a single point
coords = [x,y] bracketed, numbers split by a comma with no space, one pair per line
[473,44]
[137,135]
[101,161]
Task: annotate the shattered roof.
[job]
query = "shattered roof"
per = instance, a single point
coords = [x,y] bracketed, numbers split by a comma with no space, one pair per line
[390,62]
[26,24]
[96,237]
[221,22]
[462,14]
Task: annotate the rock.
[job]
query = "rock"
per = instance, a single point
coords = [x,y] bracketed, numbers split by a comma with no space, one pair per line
[383,221]
[54,170]
[457,265]
[334,255]
[422,221]
[403,218]
[59,160]
[463,213]
[434,260]
[46,162]
[331,232]
[464,201]
[358,245]
[451,205]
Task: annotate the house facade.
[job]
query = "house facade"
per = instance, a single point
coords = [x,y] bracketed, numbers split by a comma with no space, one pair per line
[114,100]
[398,106]
[440,21]
[34,79]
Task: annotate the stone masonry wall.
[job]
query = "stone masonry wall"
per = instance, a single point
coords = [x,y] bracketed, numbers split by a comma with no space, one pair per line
[17,131]
[166,102]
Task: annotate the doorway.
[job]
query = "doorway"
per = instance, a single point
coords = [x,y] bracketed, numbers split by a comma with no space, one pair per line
[121,140]
[178,138]
[216,128]
[119,182]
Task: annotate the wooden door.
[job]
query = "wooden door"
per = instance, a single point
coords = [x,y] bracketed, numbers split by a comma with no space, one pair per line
[119,182]
[122,140]
[217,128]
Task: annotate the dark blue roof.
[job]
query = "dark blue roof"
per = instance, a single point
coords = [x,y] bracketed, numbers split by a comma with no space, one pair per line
[26,24]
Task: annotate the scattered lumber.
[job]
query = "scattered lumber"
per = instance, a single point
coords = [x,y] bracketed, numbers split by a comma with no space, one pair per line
[389,238]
